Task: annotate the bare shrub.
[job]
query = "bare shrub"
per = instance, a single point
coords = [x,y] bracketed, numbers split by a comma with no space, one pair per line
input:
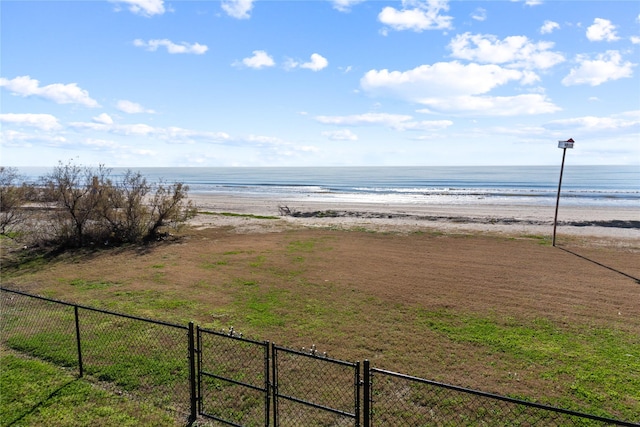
[14,194]
[124,207]
[90,207]
[77,192]
[137,211]
[169,207]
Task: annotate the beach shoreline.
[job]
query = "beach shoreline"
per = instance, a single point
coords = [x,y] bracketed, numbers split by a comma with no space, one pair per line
[601,222]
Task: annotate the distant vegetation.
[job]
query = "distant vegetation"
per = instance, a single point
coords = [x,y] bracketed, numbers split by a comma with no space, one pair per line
[79,206]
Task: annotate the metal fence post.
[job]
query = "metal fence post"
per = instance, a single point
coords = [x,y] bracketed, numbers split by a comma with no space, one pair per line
[80,368]
[192,375]
[267,386]
[357,385]
[366,395]
[274,383]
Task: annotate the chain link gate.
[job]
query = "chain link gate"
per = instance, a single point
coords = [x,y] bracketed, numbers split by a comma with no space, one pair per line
[311,389]
[233,378]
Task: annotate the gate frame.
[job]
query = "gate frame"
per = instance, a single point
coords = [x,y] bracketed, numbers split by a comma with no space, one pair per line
[313,355]
[267,384]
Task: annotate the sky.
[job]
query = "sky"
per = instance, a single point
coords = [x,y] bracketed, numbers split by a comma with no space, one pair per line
[141,83]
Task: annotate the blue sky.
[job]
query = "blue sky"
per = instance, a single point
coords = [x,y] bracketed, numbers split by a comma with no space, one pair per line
[141,83]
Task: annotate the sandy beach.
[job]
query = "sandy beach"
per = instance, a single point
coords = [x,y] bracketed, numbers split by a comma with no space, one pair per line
[620,224]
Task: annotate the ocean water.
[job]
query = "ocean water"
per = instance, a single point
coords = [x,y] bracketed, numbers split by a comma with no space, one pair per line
[610,186]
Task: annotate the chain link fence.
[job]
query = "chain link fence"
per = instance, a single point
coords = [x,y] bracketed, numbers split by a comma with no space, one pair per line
[140,358]
[41,328]
[241,382]
[395,399]
[146,359]
[312,389]
[233,378]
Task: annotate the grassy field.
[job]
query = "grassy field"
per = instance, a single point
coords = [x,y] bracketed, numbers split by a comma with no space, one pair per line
[38,393]
[511,316]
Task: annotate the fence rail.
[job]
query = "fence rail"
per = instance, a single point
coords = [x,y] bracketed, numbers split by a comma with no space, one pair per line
[236,381]
[309,382]
[233,378]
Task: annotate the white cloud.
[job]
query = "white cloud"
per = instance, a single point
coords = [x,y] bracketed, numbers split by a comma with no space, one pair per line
[170,134]
[132,107]
[144,7]
[480,14]
[173,48]
[429,125]
[602,29]
[180,135]
[45,122]
[606,66]
[101,143]
[260,59]
[439,79]
[345,5]
[104,119]
[525,104]
[516,130]
[399,122]
[516,51]
[623,121]
[138,129]
[341,135]
[417,15]
[262,139]
[317,63]
[12,138]
[239,9]
[57,92]
[635,39]
[548,27]
[390,120]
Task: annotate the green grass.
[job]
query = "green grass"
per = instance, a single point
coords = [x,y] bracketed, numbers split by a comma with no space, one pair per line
[213,265]
[264,310]
[594,355]
[36,393]
[543,240]
[142,358]
[151,300]
[86,285]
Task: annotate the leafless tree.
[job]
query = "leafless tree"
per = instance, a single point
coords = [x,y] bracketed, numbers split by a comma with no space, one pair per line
[168,207]
[124,207]
[91,207]
[14,193]
[77,192]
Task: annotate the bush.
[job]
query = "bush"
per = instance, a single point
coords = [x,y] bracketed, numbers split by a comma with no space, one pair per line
[136,211]
[77,192]
[14,194]
[90,207]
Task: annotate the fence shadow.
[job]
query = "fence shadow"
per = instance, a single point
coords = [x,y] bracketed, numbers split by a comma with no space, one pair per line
[629,276]
[35,407]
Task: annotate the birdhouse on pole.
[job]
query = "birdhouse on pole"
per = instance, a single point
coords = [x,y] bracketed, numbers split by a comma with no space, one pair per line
[566,144]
